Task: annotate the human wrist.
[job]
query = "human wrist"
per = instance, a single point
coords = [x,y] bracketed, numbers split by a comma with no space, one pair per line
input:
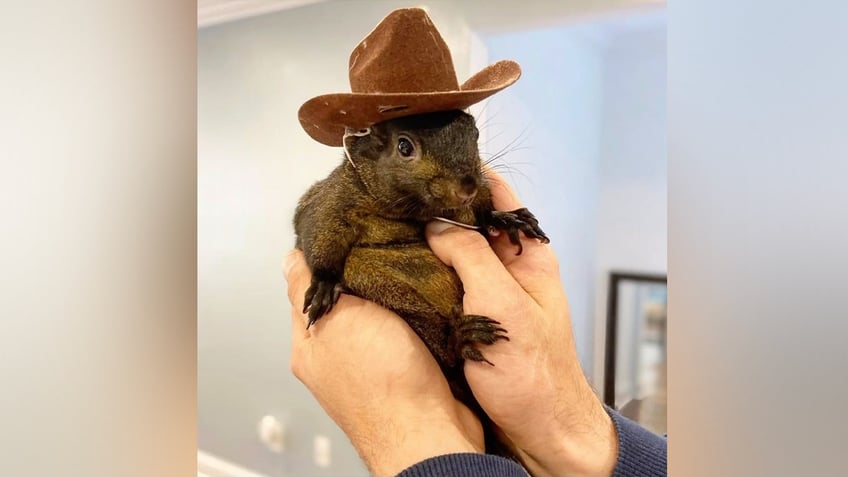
[578,443]
[404,438]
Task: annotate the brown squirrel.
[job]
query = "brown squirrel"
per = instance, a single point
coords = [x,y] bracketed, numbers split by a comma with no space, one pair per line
[362,232]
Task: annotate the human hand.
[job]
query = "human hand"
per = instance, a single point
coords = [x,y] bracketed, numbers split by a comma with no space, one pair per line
[375,378]
[536,392]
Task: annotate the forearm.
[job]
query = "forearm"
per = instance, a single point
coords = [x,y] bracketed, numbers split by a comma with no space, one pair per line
[597,441]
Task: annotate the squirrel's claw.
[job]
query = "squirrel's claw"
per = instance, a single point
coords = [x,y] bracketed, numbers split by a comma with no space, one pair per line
[320,298]
[473,330]
[518,220]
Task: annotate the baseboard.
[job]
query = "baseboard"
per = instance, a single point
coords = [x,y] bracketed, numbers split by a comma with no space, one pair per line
[209,465]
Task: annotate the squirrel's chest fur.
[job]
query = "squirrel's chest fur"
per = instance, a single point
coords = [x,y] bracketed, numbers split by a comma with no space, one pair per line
[387,260]
[374,230]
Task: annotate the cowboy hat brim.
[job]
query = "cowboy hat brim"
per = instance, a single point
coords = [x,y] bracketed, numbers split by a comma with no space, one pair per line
[325,117]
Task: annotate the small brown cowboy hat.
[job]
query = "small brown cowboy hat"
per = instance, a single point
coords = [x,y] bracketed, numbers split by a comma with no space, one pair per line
[401,68]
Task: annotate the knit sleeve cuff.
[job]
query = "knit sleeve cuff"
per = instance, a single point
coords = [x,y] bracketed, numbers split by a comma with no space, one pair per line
[465,465]
[641,453]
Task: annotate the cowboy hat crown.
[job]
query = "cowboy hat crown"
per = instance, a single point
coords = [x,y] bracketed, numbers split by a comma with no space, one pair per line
[403,67]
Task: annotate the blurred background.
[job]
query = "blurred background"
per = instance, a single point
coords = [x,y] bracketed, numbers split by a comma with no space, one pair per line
[584,136]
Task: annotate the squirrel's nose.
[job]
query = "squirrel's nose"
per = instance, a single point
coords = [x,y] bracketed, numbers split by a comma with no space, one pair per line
[467,190]
[465,196]
[469,183]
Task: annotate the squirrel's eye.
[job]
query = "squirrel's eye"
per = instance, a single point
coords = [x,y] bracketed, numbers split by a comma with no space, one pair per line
[405,147]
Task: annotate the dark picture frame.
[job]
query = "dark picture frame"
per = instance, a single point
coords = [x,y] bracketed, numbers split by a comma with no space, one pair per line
[615,280]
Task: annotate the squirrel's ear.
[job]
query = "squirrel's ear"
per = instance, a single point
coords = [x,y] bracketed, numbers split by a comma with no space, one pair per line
[379,136]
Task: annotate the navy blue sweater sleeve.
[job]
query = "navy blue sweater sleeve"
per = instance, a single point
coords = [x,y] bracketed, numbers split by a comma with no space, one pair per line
[465,465]
[641,453]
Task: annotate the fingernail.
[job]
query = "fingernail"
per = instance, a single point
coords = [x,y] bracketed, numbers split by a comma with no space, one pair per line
[436,227]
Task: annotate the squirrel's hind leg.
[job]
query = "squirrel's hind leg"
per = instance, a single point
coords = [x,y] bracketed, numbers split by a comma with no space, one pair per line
[471,331]
[320,298]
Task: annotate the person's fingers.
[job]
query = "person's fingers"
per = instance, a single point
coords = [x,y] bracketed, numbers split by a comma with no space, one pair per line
[298,278]
[470,255]
[536,269]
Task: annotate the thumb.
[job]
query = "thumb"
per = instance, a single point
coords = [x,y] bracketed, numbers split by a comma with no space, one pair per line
[468,252]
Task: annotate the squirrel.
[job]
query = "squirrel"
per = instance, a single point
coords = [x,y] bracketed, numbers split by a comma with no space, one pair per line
[362,232]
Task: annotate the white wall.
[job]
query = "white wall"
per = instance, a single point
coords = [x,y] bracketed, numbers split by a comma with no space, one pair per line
[632,218]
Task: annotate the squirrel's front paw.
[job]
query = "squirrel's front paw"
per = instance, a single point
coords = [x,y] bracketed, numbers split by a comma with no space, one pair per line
[473,330]
[520,219]
[320,298]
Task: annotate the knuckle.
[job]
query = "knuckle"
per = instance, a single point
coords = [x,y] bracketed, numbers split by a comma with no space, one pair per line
[293,295]
[554,268]
[290,260]
[296,287]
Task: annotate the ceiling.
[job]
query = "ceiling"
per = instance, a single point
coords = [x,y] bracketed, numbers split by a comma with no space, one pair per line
[485,16]
[213,12]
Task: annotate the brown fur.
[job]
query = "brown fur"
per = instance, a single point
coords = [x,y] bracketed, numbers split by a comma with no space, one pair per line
[362,232]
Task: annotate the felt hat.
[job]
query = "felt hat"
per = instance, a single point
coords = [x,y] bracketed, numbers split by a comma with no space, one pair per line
[403,67]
